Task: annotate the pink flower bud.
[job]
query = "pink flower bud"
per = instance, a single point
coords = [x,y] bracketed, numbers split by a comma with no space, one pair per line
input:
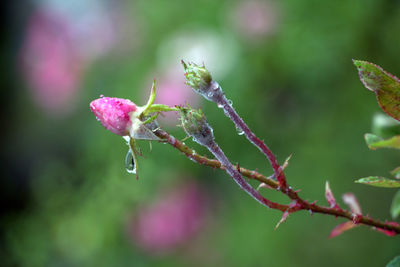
[114,113]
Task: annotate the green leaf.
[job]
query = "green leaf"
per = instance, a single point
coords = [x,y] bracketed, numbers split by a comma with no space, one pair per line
[379,181]
[374,142]
[395,208]
[385,126]
[394,263]
[396,173]
[385,85]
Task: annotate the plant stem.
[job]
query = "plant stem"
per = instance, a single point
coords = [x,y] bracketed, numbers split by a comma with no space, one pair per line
[300,203]
[234,173]
[221,100]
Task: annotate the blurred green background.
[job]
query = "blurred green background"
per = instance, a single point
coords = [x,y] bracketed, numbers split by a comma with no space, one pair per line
[66,197]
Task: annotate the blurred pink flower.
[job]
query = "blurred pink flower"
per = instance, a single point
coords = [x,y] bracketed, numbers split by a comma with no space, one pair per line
[173,219]
[61,41]
[255,19]
[50,62]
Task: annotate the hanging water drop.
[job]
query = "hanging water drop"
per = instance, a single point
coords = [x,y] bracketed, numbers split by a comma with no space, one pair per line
[230,102]
[130,165]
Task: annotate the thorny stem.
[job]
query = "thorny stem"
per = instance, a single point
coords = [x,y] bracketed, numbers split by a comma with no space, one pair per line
[221,100]
[300,203]
[234,173]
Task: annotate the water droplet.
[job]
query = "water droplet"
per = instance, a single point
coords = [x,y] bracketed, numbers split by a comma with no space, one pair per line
[220,106]
[239,131]
[101,96]
[130,165]
[230,102]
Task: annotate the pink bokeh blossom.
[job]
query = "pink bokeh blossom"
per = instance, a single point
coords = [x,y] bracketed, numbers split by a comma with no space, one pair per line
[60,43]
[255,19]
[172,220]
[50,62]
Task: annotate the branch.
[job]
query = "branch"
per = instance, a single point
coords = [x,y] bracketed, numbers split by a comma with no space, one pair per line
[251,174]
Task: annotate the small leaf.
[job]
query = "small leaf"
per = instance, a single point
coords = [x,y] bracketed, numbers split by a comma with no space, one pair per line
[339,229]
[385,126]
[264,185]
[385,85]
[351,201]
[396,173]
[395,208]
[394,263]
[388,232]
[371,139]
[374,142]
[379,181]
[329,196]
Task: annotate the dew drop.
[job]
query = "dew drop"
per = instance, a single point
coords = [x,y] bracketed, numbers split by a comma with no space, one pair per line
[230,102]
[239,131]
[101,96]
[220,106]
[130,165]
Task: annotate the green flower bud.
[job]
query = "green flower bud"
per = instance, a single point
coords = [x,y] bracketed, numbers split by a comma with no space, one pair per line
[197,77]
[195,125]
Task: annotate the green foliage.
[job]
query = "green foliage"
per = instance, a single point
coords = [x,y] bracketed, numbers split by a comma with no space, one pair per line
[374,142]
[387,89]
[395,208]
[304,100]
[396,173]
[394,263]
[385,85]
[379,181]
[385,126]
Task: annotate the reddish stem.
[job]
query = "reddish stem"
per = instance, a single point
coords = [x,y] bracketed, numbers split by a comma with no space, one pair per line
[300,203]
[223,102]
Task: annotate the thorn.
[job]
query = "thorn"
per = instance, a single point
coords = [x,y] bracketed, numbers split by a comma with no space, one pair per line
[237,167]
[286,163]
[263,185]
[285,215]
